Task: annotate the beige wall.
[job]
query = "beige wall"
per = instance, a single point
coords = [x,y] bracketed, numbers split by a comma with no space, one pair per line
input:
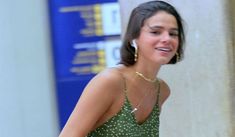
[202,86]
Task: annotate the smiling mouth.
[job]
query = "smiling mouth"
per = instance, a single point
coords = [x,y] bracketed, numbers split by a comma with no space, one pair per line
[165,49]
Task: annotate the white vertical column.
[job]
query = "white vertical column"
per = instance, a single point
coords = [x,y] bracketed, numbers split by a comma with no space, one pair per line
[27,95]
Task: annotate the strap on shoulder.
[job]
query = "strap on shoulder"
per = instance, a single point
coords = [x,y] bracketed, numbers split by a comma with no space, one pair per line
[158,91]
[123,77]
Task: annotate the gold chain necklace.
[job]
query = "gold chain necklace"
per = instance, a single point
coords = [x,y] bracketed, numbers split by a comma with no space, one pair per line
[149,80]
[145,78]
[140,102]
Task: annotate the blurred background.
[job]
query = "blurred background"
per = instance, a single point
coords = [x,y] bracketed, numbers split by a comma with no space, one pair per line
[49,50]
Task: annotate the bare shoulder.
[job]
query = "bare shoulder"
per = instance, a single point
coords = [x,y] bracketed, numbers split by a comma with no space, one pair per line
[110,74]
[164,91]
[96,99]
[109,80]
[106,85]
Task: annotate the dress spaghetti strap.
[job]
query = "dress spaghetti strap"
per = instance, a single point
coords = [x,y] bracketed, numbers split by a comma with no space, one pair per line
[158,91]
[123,77]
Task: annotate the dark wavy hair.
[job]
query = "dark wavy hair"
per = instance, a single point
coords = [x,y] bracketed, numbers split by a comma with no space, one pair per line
[136,22]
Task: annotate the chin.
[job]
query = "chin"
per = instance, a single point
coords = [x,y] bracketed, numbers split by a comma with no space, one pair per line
[165,63]
[162,62]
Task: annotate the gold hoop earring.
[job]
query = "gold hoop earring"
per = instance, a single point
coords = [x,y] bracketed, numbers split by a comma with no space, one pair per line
[134,45]
[136,54]
[177,57]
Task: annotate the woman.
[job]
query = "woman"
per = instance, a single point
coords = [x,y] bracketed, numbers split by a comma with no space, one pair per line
[125,101]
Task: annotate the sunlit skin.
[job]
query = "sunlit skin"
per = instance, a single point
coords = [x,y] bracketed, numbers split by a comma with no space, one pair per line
[157,43]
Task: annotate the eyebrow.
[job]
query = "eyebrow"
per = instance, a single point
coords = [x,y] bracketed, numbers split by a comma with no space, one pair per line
[160,27]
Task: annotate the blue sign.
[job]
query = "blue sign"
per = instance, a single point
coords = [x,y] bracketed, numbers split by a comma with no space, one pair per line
[82,33]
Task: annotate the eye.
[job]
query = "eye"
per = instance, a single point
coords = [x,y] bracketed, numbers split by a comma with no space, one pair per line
[174,34]
[156,32]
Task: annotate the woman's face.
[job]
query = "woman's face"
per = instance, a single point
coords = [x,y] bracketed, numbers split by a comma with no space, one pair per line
[158,40]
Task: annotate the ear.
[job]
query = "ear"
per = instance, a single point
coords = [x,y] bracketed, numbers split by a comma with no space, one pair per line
[133,44]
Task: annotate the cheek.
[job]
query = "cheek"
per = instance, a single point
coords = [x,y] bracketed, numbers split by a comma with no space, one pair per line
[176,43]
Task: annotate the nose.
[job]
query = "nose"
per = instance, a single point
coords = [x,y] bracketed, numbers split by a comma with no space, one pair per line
[166,37]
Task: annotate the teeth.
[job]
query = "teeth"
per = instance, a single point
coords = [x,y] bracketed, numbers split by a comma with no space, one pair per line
[164,49]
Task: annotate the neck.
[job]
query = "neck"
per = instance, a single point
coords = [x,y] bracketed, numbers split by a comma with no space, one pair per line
[147,70]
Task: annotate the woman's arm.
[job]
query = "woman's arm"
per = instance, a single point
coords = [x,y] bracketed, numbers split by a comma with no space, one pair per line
[95,100]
